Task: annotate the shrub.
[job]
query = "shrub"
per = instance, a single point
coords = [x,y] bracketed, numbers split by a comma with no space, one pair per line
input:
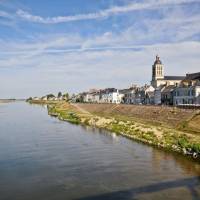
[196,147]
[183,142]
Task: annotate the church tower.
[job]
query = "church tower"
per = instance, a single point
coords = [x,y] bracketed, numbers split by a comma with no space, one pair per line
[157,71]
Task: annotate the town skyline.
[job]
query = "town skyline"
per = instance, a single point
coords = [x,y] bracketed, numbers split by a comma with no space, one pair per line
[73,46]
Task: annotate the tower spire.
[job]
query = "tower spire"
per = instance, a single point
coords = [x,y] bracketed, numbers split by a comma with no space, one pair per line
[157,71]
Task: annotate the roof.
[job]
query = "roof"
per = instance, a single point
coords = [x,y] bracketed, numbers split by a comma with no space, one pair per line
[157,61]
[108,90]
[124,91]
[168,88]
[182,86]
[160,87]
[194,76]
[150,94]
[174,78]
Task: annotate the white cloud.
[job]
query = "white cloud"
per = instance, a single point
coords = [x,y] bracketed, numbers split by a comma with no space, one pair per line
[79,70]
[75,63]
[151,4]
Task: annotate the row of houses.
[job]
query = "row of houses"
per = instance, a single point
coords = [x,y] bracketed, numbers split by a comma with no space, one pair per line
[187,92]
[108,95]
[132,95]
[51,97]
[167,90]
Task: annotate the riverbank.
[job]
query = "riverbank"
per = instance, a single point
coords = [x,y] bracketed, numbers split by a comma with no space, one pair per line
[158,133]
[6,100]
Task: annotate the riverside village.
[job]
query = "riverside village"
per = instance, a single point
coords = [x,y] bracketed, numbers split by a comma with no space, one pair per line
[163,90]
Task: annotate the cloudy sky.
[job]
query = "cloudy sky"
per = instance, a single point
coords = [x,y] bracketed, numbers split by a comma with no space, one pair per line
[73,45]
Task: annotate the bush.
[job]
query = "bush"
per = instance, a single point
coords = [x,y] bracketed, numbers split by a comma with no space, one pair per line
[196,148]
[183,142]
[73,118]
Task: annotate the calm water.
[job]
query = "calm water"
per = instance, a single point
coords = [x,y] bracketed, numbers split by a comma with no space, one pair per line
[45,159]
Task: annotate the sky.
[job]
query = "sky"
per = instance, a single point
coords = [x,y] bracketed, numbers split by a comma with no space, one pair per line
[73,45]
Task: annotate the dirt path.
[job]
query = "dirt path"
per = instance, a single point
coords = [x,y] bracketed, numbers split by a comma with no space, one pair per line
[81,109]
[114,107]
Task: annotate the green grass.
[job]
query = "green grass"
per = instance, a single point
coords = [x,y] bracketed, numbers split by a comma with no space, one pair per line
[69,116]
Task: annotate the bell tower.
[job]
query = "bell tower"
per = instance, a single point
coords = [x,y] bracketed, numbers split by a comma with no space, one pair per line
[157,71]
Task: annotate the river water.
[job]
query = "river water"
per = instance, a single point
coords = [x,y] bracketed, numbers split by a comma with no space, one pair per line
[42,158]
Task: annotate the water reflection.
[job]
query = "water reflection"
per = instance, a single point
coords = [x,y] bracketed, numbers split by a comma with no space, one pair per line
[94,130]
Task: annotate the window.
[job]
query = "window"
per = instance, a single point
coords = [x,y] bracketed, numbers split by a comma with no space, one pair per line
[193,92]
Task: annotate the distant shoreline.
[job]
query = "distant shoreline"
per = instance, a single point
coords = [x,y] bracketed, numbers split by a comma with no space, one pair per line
[7,100]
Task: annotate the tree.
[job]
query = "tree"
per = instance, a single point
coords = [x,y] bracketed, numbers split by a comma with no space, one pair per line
[29,99]
[59,94]
[66,96]
[50,96]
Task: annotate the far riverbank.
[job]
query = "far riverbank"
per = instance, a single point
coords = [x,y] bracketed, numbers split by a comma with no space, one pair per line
[169,129]
[6,100]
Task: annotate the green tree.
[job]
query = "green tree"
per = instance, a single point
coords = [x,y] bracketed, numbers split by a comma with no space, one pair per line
[66,96]
[59,94]
[50,96]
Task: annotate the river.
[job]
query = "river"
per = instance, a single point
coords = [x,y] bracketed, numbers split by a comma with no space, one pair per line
[46,159]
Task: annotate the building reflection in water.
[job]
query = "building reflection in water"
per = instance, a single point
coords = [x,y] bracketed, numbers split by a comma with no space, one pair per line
[112,136]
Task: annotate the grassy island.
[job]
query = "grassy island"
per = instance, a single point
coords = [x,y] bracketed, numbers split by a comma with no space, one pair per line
[168,128]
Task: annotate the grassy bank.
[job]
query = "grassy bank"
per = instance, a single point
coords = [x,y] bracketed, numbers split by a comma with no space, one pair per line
[166,137]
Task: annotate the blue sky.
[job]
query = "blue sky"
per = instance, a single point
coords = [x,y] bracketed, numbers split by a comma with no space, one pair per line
[73,45]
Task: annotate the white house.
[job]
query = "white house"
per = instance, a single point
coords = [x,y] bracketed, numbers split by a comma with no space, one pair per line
[96,97]
[139,95]
[148,92]
[91,97]
[88,97]
[129,96]
[110,95]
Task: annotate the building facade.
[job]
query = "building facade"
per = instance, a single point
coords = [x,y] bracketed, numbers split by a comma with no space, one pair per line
[186,95]
[188,92]
[110,95]
[167,95]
